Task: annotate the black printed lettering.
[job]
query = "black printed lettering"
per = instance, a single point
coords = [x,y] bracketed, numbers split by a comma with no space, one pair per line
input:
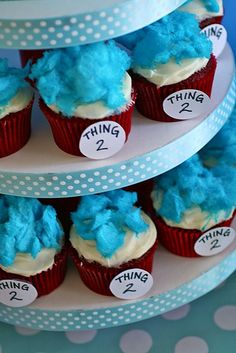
[128,288]
[100,143]
[184,108]
[215,244]
[14,296]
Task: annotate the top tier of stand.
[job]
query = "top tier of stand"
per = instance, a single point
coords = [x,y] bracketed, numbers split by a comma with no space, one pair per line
[43,24]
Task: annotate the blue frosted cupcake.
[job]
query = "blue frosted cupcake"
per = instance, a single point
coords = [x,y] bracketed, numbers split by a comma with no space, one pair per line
[110,235]
[207,12]
[190,200]
[83,85]
[168,56]
[31,243]
[222,148]
[16,99]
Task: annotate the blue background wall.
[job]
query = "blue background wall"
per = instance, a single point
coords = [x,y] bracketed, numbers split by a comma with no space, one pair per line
[230,21]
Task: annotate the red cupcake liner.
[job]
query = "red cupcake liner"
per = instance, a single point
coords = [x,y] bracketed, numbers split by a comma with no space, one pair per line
[63,207]
[67,132]
[15,130]
[98,278]
[150,97]
[181,241]
[46,281]
[143,190]
[33,55]
[211,21]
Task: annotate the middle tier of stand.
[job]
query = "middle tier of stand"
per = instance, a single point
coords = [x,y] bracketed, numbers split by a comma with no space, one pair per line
[42,170]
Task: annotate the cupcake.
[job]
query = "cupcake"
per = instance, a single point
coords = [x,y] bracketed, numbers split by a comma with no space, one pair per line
[110,235]
[16,99]
[170,55]
[222,148]
[207,12]
[83,85]
[31,244]
[190,200]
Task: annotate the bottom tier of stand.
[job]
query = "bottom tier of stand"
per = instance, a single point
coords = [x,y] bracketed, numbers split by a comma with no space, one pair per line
[177,281]
[207,325]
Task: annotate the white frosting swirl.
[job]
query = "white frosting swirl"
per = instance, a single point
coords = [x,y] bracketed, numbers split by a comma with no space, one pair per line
[171,72]
[18,103]
[25,265]
[194,217]
[198,8]
[135,245]
[99,110]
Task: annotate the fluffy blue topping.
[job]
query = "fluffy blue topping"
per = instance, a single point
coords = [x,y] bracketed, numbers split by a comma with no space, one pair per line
[176,36]
[83,74]
[222,147]
[130,40]
[26,226]
[105,218]
[11,81]
[210,5]
[191,184]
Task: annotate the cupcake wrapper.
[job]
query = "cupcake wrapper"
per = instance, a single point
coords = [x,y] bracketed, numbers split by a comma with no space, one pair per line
[15,129]
[63,207]
[143,190]
[150,97]
[181,241]
[98,278]
[67,132]
[33,55]
[46,281]
[211,21]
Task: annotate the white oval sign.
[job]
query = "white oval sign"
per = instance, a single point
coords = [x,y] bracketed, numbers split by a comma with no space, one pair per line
[214,241]
[218,36]
[17,293]
[131,284]
[186,104]
[102,140]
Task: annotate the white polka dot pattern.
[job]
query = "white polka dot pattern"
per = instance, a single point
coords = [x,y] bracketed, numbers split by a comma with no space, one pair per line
[26,331]
[123,174]
[177,313]
[81,28]
[79,337]
[197,344]
[138,341]
[225,317]
[123,314]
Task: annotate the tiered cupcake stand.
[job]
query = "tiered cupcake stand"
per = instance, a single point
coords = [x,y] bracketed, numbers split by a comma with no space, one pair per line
[41,170]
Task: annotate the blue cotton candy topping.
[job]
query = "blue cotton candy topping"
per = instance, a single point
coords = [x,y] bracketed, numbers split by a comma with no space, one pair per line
[131,39]
[105,219]
[210,5]
[11,81]
[223,146]
[191,184]
[83,74]
[26,226]
[176,36]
